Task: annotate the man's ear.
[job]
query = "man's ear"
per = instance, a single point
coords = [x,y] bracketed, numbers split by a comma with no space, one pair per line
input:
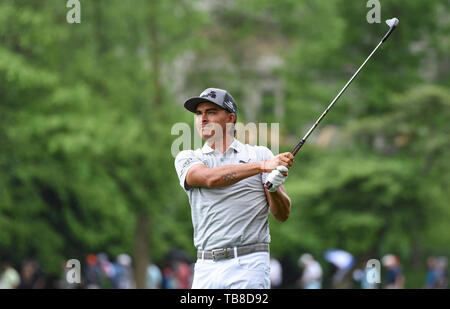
[233,117]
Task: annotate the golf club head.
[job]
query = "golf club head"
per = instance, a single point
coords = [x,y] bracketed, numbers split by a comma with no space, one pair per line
[392,22]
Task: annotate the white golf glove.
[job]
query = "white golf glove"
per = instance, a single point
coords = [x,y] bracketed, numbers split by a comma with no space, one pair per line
[276,178]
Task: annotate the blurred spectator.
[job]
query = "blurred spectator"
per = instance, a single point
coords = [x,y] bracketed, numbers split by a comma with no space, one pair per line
[93,272]
[124,278]
[276,273]
[107,271]
[431,277]
[9,277]
[31,276]
[177,272]
[395,279]
[442,272]
[342,262]
[62,282]
[183,275]
[169,281]
[358,276]
[361,275]
[154,277]
[312,272]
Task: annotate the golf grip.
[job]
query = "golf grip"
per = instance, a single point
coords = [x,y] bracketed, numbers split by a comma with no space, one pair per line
[268,184]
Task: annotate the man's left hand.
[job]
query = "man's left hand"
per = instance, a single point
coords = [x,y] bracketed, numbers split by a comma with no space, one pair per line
[277,177]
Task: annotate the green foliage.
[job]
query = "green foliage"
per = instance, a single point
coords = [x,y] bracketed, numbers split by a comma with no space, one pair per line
[363,201]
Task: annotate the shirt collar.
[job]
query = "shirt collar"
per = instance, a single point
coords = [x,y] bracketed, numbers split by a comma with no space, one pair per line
[206,148]
[236,145]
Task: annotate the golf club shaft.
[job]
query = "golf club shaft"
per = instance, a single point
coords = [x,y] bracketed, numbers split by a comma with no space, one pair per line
[268,184]
[300,144]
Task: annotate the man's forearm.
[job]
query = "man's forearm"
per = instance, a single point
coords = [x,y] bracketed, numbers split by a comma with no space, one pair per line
[280,204]
[226,175]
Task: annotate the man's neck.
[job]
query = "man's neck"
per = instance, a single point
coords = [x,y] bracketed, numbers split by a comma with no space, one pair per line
[221,145]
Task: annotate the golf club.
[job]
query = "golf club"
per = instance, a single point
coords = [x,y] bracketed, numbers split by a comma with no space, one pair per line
[392,23]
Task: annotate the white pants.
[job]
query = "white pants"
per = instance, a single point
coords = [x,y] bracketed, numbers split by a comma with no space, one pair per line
[250,271]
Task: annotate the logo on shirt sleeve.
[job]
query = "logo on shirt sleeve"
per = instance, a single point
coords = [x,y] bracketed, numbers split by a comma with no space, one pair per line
[185,164]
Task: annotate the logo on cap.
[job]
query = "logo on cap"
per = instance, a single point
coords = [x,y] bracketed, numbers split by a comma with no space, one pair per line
[229,105]
[211,94]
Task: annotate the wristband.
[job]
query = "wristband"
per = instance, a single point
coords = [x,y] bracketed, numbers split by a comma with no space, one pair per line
[263,170]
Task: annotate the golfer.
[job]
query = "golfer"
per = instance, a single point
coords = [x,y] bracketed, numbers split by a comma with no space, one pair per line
[229,204]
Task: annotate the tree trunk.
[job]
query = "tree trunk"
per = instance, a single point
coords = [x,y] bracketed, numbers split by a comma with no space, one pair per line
[141,248]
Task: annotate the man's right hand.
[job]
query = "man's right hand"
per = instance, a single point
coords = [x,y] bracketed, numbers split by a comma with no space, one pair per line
[284,159]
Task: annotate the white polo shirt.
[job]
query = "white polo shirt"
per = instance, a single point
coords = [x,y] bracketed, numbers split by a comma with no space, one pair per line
[234,215]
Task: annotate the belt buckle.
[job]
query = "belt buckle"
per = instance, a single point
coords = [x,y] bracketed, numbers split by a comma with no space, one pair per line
[218,254]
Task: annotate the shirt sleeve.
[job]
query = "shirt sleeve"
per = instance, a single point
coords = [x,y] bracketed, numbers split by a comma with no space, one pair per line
[264,153]
[183,162]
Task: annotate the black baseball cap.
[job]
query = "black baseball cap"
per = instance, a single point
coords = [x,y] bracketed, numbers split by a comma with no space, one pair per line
[217,96]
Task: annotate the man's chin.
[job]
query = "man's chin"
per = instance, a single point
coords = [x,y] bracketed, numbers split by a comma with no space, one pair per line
[206,137]
[206,134]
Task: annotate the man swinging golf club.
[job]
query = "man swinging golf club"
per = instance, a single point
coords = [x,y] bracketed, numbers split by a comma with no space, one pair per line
[229,205]
[224,181]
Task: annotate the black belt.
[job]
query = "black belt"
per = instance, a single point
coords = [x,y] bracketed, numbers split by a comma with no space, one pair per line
[228,253]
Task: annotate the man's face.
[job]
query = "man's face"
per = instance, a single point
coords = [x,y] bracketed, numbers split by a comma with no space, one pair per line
[210,118]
